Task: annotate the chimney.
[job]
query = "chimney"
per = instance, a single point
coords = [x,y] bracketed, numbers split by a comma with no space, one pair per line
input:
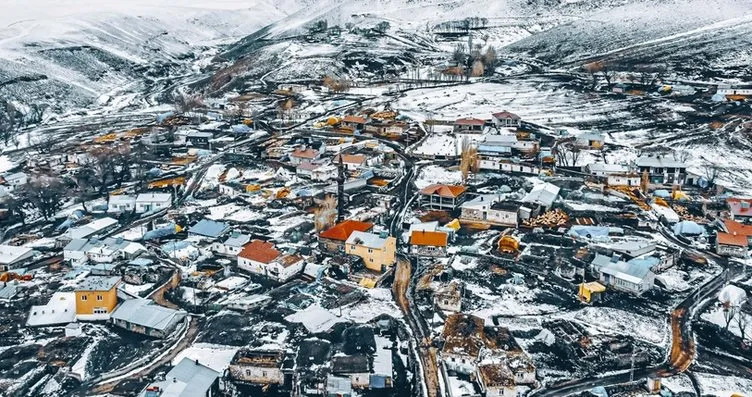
[174,380]
[615,258]
[196,361]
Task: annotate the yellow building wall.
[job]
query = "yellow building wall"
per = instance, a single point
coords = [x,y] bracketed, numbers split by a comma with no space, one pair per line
[87,305]
[376,258]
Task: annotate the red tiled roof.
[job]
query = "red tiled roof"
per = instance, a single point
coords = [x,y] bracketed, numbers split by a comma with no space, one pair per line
[354,119]
[433,239]
[307,153]
[506,115]
[469,121]
[735,227]
[738,240]
[350,158]
[448,191]
[740,206]
[259,251]
[343,230]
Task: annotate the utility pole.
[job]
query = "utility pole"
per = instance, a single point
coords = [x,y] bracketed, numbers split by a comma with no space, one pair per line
[340,190]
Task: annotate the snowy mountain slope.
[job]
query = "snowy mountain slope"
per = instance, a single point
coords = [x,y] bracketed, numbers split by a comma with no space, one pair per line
[71,53]
[684,33]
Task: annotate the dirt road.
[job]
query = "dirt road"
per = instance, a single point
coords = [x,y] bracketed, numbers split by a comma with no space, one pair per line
[400,287]
[181,345]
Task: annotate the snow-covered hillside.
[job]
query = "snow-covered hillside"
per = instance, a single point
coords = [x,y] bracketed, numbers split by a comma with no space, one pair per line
[73,53]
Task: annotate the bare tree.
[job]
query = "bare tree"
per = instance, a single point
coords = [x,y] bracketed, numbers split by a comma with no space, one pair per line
[15,206]
[326,212]
[567,154]
[186,103]
[742,322]
[45,193]
[85,182]
[468,158]
[710,172]
[9,122]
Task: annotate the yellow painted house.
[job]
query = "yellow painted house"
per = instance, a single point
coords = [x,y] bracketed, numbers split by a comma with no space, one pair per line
[96,297]
[378,253]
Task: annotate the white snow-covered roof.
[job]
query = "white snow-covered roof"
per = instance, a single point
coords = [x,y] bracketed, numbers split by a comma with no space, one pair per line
[91,228]
[543,194]
[60,309]
[315,319]
[10,254]
[369,240]
[154,198]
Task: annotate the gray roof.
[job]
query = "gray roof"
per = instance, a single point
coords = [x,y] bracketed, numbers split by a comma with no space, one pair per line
[142,312]
[209,228]
[187,379]
[369,240]
[237,239]
[544,194]
[8,290]
[619,268]
[97,283]
[659,162]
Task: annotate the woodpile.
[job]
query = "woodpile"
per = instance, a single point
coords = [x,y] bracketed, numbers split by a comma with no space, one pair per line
[550,219]
[685,215]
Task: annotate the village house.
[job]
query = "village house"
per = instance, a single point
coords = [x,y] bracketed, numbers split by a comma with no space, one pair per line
[463,340]
[200,139]
[324,173]
[506,119]
[428,243]
[740,208]
[108,250]
[262,258]
[391,129]
[209,229]
[635,278]
[189,378]
[356,367]
[626,179]
[90,229]
[148,202]
[232,245]
[96,297]
[664,170]
[540,199]
[353,123]
[60,309]
[382,373]
[495,163]
[333,239]
[442,197]
[257,367]
[378,252]
[590,140]
[469,125]
[13,257]
[144,317]
[351,162]
[303,155]
[732,244]
[121,203]
[603,170]
[448,297]
[496,379]
[489,209]
[9,182]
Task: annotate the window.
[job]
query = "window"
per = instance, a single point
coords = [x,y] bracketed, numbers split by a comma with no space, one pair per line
[248,372]
[100,297]
[84,297]
[100,310]
[263,374]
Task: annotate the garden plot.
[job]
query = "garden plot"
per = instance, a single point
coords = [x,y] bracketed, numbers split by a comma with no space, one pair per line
[612,321]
